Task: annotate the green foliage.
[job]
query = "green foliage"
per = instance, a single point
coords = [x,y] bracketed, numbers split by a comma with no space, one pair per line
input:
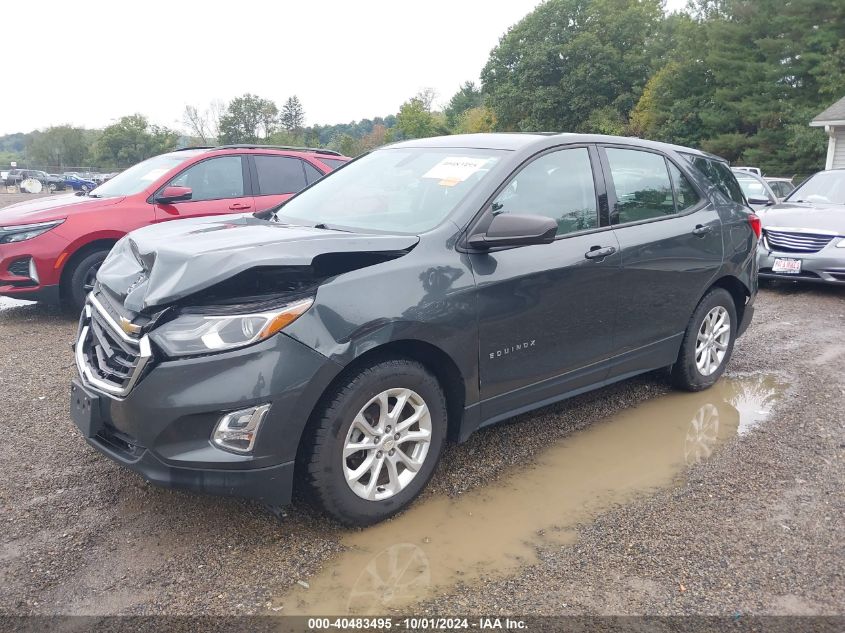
[744,80]
[474,120]
[293,114]
[131,140]
[59,146]
[248,119]
[468,97]
[416,120]
[570,58]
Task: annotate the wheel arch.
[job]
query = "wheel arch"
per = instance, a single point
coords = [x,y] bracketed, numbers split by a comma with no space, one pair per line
[738,291]
[104,242]
[433,358]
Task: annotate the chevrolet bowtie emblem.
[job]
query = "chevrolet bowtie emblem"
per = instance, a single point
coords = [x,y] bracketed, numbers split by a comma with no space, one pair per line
[127,326]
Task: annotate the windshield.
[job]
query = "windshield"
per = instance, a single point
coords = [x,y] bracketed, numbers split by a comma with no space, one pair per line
[752,188]
[403,190]
[140,176]
[825,187]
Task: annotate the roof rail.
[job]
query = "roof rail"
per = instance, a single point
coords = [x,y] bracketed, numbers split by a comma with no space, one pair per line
[290,148]
[184,149]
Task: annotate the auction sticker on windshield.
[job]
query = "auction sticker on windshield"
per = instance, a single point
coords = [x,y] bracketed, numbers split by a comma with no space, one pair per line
[455,169]
[786,266]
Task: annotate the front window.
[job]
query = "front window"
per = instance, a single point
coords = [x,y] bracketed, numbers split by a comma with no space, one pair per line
[826,187]
[213,179]
[402,190]
[558,185]
[140,176]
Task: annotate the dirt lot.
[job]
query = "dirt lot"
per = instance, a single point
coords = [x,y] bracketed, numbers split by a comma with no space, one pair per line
[591,506]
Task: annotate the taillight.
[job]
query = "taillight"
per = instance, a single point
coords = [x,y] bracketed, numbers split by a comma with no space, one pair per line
[756,226]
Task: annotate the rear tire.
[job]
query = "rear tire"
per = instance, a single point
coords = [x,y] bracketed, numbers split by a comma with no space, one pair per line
[80,278]
[364,410]
[708,342]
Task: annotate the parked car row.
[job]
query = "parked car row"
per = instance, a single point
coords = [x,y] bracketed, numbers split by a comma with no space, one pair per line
[16,177]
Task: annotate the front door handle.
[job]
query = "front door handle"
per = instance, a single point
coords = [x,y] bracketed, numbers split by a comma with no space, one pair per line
[239,206]
[600,252]
[701,230]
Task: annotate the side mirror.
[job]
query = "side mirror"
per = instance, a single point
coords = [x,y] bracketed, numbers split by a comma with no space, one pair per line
[760,201]
[174,194]
[516,230]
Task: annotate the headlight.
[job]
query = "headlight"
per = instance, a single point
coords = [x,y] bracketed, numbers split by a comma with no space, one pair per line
[191,334]
[9,234]
[841,243]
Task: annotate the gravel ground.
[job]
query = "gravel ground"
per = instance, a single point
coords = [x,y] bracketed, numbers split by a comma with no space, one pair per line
[757,529]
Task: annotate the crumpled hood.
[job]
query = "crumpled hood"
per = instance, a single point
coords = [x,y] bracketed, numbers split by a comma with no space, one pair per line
[51,208]
[827,217]
[160,264]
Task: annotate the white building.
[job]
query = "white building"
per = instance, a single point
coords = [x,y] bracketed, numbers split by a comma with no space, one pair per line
[833,122]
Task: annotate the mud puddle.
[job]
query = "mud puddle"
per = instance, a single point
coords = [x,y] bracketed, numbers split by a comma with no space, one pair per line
[494,530]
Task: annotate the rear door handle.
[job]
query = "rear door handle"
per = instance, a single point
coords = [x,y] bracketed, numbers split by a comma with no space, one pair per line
[239,206]
[600,252]
[702,229]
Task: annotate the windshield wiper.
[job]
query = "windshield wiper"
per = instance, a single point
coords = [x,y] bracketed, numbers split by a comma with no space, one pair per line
[325,227]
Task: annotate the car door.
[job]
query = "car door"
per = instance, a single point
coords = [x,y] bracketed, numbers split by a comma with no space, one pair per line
[276,178]
[545,312]
[670,236]
[218,186]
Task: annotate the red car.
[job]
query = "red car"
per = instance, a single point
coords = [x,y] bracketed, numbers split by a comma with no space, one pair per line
[51,248]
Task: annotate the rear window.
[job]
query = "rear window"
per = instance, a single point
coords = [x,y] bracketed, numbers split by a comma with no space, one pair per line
[279,174]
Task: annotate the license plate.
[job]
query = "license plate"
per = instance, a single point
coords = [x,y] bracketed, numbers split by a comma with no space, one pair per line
[786,266]
[85,410]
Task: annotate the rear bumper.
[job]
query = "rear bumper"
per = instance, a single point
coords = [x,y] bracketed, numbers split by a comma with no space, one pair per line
[747,316]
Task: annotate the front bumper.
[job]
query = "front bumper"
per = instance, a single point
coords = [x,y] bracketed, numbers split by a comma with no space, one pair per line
[42,251]
[826,266]
[162,428]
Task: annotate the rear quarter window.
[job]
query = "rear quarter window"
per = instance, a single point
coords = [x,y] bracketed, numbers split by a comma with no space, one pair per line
[720,174]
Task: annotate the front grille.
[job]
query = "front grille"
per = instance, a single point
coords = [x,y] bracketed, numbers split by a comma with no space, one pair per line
[107,358]
[20,267]
[797,242]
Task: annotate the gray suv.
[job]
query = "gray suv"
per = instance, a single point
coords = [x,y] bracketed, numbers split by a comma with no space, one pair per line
[420,292]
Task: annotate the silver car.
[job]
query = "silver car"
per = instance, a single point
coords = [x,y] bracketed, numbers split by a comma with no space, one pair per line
[757,191]
[804,236]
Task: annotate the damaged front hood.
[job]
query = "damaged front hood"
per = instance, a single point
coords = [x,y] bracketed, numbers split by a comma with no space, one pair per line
[158,265]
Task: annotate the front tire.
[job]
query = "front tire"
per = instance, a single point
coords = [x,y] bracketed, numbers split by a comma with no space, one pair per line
[374,444]
[81,277]
[708,342]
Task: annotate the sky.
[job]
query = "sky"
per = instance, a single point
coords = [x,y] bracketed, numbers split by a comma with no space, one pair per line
[345,59]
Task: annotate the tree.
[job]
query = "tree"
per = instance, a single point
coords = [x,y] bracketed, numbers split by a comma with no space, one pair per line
[248,119]
[473,120]
[744,78]
[131,140]
[59,146]
[293,115]
[205,125]
[569,58]
[415,118]
[467,97]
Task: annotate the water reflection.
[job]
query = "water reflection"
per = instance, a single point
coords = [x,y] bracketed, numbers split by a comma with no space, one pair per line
[492,531]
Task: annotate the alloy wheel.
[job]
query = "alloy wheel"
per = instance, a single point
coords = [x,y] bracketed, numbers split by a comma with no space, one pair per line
[387,444]
[711,344]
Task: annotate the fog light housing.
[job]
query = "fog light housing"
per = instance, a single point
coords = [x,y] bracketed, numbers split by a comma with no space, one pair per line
[236,431]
